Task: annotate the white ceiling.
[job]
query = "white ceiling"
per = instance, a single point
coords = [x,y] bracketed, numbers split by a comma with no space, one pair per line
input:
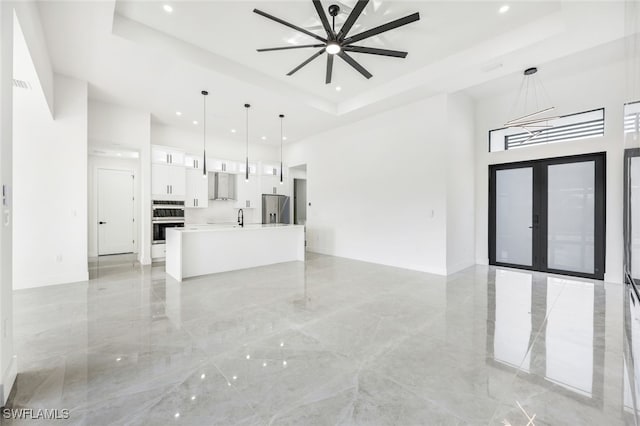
[135,54]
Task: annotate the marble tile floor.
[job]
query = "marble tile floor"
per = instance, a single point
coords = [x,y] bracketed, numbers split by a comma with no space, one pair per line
[330,341]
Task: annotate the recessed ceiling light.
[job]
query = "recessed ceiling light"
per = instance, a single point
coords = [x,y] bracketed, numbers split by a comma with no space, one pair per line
[178,113]
[284,138]
[338,88]
[233,130]
[167,8]
[264,138]
[195,122]
[504,9]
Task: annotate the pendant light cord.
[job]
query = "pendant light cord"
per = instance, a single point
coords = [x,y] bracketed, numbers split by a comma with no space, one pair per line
[281,138]
[246,173]
[204,133]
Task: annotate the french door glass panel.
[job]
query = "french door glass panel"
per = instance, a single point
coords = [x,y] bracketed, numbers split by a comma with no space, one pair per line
[571,217]
[514,210]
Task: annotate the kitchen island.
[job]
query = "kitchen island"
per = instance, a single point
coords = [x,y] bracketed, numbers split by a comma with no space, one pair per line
[200,250]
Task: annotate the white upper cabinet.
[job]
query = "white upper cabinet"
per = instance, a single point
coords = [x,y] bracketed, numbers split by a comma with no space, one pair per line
[248,195]
[226,166]
[194,161]
[253,168]
[271,169]
[166,155]
[271,185]
[167,182]
[197,189]
[159,180]
[177,180]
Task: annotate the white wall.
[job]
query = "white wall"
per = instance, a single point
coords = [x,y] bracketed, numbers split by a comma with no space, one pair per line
[111,163]
[378,187]
[115,127]
[591,89]
[31,28]
[8,367]
[50,182]
[227,149]
[460,182]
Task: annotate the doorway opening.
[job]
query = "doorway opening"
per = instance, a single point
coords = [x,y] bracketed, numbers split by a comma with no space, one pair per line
[299,176]
[549,215]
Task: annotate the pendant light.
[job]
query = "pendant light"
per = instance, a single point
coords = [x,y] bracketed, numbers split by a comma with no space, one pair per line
[531,103]
[281,138]
[204,134]
[246,172]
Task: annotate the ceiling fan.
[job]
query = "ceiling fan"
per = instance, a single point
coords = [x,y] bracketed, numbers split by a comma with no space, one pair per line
[338,42]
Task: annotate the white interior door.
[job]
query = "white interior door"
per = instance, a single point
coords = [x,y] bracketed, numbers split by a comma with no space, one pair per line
[115,211]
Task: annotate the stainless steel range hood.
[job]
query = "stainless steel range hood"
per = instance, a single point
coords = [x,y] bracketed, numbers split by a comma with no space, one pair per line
[222,186]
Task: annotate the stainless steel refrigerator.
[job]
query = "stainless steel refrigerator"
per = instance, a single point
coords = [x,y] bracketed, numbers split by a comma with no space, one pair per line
[275,209]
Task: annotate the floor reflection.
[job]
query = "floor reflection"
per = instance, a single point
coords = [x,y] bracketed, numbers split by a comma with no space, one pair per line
[550,331]
[632,355]
[327,341]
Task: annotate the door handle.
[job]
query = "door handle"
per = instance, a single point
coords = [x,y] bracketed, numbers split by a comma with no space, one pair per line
[101,223]
[531,227]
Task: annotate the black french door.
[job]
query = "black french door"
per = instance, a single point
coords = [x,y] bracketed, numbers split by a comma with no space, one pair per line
[549,215]
[632,217]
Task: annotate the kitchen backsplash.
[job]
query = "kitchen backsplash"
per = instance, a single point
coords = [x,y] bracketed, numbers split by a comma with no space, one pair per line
[220,212]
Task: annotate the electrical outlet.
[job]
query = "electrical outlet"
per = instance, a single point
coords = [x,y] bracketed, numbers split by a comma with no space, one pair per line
[59,258]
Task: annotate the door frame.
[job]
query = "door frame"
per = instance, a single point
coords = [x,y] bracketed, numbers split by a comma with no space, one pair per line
[539,218]
[629,153]
[134,227]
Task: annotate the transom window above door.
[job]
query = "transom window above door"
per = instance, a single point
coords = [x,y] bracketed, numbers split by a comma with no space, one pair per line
[582,125]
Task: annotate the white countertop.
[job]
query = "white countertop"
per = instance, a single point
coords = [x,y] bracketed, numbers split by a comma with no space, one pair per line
[230,227]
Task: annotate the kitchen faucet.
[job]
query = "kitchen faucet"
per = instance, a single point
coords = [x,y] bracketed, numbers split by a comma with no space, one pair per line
[241,218]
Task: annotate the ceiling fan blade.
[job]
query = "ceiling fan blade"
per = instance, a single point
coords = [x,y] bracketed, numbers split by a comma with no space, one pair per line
[329,68]
[302,46]
[348,59]
[323,18]
[374,51]
[383,28]
[353,17]
[315,55]
[285,23]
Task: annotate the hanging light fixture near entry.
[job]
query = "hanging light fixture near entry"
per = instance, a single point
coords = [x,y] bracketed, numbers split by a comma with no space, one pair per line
[204,135]
[529,108]
[246,172]
[281,139]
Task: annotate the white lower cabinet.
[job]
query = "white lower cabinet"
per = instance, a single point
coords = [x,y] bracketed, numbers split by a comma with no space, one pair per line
[196,190]
[158,251]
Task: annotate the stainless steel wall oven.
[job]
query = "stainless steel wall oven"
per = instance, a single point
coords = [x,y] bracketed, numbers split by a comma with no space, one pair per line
[166,214]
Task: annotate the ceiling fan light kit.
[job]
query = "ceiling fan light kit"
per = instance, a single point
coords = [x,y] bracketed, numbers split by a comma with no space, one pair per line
[338,43]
